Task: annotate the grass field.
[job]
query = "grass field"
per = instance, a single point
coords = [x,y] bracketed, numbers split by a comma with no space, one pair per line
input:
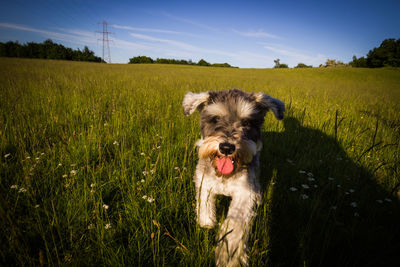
[97,162]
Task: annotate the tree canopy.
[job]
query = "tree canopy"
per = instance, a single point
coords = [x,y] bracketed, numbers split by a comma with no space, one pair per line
[46,50]
[386,55]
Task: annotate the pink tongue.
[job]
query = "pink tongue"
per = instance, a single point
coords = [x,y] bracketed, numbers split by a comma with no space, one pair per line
[225,165]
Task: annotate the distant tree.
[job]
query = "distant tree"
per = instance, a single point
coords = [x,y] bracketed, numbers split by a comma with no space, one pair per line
[279,65]
[358,62]
[141,60]
[332,63]
[202,62]
[387,54]
[222,65]
[302,65]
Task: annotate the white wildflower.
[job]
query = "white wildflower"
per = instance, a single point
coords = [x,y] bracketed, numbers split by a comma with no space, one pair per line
[149,199]
[7,155]
[107,226]
[353,204]
[14,186]
[303,196]
[177,168]
[73,172]
[152,171]
[65,176]
[142,154]
[145,173]
[305,186]
[28,157]
[115,143]
[59,164]
[37,206]
[105,206]
[37,158]
[22,190]
[92,185]
[293,189]
[142,181]
[90,226]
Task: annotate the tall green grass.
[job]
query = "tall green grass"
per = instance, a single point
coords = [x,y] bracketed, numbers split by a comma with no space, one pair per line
[97,163]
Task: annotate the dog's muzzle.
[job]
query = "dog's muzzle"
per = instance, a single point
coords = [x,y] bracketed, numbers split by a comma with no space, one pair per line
[225,163]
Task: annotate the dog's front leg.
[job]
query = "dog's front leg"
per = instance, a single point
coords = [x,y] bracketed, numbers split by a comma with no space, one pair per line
[205,204]
[232,244]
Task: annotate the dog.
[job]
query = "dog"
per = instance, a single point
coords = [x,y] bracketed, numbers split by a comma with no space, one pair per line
[229,150]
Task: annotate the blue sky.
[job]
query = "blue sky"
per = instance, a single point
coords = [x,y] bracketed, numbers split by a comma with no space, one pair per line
[248,34]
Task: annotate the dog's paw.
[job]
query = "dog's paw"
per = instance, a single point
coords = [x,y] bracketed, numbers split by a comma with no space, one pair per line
[206,222]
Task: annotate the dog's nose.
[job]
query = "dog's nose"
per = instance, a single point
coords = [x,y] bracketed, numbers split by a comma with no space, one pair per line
[227,148]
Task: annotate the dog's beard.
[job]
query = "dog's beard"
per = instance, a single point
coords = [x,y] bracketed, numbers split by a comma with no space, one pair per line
[226,165]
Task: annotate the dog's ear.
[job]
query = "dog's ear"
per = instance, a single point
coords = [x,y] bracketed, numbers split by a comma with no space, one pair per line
[193,101]
[268,102]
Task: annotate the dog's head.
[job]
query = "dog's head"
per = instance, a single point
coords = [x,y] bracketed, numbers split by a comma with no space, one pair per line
[231,124]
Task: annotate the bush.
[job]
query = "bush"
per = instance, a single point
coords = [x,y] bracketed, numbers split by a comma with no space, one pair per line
[302,65]
[141,60]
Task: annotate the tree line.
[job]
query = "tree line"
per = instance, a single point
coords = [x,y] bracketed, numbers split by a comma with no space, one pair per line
[149,60]
[46,50]
[386,55]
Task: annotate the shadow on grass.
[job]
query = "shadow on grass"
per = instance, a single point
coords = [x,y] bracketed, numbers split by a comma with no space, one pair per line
[324,209]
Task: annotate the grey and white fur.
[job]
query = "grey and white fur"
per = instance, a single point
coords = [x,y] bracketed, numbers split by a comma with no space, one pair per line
[229,150]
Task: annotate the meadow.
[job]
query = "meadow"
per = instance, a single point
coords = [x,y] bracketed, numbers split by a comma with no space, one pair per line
[97,162]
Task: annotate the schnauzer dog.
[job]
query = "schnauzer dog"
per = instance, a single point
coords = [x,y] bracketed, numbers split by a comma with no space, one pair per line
[229,150]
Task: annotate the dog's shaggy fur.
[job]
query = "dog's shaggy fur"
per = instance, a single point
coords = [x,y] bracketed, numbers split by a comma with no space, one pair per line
[229,149]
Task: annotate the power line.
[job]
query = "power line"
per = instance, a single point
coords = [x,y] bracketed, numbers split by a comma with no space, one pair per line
[105,41]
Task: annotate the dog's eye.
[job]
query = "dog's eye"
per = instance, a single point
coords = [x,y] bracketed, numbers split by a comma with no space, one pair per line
[246,123]
[214,119]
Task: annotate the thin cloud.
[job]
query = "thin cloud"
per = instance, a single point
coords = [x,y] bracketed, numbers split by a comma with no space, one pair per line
[165,41]
[122,27]
[78,37]
[151,30]
[188,21]
[257,34]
